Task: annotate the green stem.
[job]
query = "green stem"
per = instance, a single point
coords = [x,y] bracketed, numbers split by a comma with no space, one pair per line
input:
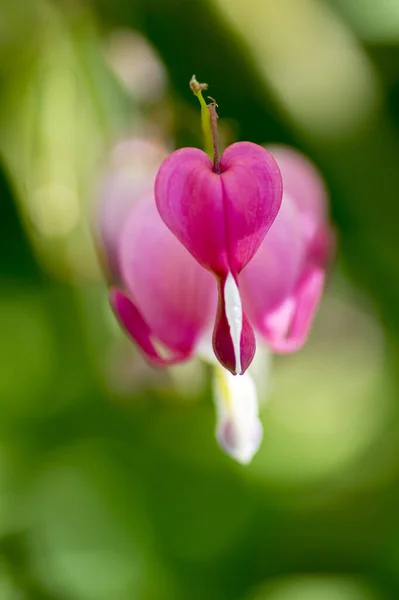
[197,89]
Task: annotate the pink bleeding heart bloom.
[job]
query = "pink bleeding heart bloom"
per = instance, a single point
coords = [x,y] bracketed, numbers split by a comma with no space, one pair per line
[221,214]
[167,301]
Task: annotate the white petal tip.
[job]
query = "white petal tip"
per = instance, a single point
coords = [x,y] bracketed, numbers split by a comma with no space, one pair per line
[239,431]
[241,448]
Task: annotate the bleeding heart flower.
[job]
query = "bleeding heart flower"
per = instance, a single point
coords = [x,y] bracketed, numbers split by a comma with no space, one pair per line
[220,219]
[167,301]
[221,213]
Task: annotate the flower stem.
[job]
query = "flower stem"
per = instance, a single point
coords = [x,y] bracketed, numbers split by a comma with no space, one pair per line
[209,122]
[215,135]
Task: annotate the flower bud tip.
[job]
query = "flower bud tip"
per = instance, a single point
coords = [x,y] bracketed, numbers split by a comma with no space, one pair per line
[197,87]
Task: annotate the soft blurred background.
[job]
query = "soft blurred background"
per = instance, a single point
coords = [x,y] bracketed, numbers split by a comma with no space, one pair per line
[111,483]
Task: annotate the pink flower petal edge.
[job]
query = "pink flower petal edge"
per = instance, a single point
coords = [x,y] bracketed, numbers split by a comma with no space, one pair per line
[166,298]
[283,284]
[132,321]
[129,176]
[287,328]
[302,181]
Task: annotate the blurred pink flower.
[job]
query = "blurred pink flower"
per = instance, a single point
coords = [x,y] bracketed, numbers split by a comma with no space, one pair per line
[167,300]
[283,283]
[130,174]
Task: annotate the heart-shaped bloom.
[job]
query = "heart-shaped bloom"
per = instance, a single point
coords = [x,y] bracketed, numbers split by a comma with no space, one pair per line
[221,216]
[167,301]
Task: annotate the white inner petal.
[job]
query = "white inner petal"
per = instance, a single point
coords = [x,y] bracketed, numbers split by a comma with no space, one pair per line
[239,430]
[233,306]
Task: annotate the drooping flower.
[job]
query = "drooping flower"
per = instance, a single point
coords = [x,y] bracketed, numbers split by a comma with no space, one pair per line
[166,297]
[221,210]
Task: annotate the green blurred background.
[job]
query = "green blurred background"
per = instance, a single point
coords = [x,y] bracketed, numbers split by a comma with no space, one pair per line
[111,483]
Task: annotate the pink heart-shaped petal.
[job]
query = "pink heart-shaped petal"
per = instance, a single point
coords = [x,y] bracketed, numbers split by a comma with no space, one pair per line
[220,218]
